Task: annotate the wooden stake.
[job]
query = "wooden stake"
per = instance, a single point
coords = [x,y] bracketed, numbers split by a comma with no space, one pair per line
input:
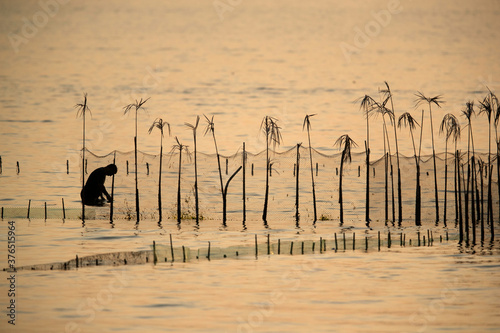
[29,206]
[268,246]
[244,163]
[18,170]
[389,240]
[63,209]
[155,258]
[171,248]
[256,248]
[111,205]
[291,248]
[2,213]
[343,236]
[379,240]
[336,246]
[296,174]
[353,241]
[366,243]
[45,209]
[76,261]
[67,167]
[208,255]
[302,247]
[279,246]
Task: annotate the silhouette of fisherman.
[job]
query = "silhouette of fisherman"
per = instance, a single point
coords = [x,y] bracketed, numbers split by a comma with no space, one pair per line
[94,191]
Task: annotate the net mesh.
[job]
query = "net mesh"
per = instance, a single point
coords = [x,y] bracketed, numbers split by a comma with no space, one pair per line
[283,185]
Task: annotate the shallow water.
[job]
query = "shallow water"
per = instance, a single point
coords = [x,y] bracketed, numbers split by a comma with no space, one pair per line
[277,58]
[409,288]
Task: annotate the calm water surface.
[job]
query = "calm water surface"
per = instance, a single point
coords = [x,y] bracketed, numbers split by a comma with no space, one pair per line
[279,58]
[411,289]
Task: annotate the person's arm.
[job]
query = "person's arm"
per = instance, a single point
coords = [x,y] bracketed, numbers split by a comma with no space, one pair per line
[106,194]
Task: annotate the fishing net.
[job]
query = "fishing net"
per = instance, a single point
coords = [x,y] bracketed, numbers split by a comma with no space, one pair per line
[246,190]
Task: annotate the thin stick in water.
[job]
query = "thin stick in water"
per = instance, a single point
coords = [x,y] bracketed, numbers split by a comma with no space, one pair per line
[256,248]
[268,246]
[171,248]
[63,209]
[155,258]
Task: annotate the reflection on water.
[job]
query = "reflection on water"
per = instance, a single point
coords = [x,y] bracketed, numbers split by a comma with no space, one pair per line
[401,288]
[261,58]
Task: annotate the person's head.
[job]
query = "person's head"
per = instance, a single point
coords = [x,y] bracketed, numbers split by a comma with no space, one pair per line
[111,169]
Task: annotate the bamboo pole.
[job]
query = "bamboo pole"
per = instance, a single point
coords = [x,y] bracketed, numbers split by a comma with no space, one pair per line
[296,171]
[268,246]
[63,209]
[111,205]
[155,258]
[171,248]
[244,163]
[256,248]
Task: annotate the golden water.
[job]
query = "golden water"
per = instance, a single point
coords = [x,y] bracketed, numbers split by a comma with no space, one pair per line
[278,58]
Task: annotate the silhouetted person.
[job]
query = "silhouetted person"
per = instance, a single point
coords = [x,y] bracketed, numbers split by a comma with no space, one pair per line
[94,191]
